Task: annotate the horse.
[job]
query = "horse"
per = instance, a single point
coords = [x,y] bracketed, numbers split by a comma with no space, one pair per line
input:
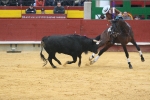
[122,33]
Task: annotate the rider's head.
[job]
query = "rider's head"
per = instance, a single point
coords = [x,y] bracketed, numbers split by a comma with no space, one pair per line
[106,9]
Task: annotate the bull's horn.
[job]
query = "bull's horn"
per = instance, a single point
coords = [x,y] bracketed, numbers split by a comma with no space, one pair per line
[95,40]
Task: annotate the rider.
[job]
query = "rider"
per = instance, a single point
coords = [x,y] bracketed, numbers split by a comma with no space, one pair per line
[111,14]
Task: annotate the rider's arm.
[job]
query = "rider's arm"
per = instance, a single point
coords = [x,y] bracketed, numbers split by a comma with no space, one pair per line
[108,16]
[117,11]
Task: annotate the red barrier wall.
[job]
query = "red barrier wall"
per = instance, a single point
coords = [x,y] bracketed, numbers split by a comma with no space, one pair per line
[35,29]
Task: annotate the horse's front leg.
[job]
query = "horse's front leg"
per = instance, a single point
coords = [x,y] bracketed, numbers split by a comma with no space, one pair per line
[90,58]
[99,43]
[93,61]
[106,47]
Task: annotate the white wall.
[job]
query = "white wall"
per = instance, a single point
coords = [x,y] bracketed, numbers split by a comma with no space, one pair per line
[102,3]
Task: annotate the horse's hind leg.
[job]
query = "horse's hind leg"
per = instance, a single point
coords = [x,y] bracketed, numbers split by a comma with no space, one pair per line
[138,48]
[127,55]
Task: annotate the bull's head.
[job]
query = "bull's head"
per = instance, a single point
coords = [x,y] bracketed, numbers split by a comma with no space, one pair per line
[96,41]
[95,46]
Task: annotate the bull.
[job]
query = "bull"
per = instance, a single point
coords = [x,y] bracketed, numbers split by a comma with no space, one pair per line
[73,45]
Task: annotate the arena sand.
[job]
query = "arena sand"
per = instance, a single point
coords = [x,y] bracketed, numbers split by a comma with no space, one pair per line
[22,77]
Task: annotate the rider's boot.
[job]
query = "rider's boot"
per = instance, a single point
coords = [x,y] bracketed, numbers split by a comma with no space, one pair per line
[112,40]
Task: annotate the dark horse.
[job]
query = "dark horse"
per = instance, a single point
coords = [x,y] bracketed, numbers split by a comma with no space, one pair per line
[122,34]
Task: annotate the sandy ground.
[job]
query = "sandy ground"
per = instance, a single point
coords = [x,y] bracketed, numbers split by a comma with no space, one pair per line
[22,77]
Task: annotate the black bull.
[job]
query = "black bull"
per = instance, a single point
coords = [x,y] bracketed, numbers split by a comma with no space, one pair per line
[73,45]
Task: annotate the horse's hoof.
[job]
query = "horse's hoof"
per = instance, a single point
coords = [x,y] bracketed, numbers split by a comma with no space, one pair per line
[142,59]
[90,58]
[91,62]
[54,67]
[130,67]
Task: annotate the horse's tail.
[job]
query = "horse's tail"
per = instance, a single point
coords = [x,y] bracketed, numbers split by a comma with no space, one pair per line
[42,56]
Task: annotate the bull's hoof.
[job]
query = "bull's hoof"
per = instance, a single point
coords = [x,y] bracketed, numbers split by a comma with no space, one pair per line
[79,65]
[65,63]
[59,63]
[44,64]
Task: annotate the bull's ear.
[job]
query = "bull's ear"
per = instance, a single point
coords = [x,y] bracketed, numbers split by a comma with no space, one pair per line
[97,42]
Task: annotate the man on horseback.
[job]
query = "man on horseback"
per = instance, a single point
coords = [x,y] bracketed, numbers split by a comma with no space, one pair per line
[111,14]
[118,26]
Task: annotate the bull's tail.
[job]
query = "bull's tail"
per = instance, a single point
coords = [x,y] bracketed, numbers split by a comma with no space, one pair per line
[42,56]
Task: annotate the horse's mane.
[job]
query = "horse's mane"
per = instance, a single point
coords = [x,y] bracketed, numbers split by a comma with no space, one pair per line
[123,26]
